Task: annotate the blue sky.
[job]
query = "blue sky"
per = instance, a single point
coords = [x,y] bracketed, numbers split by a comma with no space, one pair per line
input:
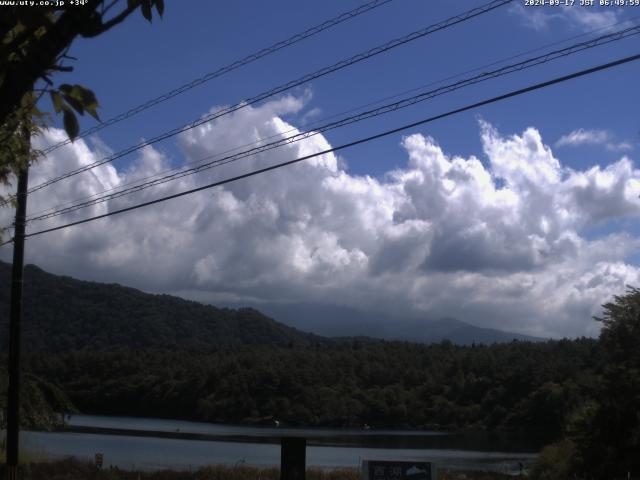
[522,215]
[138,61]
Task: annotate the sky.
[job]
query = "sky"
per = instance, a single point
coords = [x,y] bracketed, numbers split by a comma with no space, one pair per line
[521,215]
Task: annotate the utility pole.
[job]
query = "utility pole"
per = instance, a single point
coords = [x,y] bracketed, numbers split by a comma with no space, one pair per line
[13,393]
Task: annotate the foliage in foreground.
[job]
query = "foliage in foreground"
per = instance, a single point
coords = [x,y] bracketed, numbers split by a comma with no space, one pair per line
[41,402]
[602,435]
[34,42]
[555,461]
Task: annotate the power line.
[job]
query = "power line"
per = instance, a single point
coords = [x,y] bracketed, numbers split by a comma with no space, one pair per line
[618,36]
[529,63]
[505,96]
[288,86]
[343,17]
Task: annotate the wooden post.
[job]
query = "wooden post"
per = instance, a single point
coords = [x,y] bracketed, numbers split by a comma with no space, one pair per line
[15,318]
[293,457]
[13,391]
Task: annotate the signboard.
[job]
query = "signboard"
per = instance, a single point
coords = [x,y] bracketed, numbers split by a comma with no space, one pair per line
[398,470]
[99,459]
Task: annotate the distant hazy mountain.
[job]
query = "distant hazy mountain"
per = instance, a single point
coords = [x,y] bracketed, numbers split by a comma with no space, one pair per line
[62,313]
[334,321]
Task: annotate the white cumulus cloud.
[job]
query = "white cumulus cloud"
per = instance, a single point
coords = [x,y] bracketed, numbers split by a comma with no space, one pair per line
[496,239]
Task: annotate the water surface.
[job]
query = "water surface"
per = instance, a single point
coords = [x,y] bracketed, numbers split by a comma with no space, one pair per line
[328,447]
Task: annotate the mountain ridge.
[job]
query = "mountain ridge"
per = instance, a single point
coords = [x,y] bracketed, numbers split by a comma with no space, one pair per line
[331,321]
[62,313]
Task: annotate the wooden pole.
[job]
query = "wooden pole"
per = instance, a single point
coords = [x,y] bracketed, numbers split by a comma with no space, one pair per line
[13,392]
[293,452]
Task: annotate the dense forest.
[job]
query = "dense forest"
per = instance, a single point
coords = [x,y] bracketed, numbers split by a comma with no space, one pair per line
[585,393]
[530,385]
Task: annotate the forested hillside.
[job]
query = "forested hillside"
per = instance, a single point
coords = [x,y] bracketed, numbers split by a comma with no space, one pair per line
[64,314]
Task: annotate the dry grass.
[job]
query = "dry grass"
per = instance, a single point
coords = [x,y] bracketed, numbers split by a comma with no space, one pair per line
[72,469]
[455,475]
[26,457]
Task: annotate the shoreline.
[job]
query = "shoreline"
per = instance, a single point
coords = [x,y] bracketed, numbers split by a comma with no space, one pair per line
[502,441]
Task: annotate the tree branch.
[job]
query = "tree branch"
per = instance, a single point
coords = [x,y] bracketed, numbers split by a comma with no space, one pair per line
[42,53]
[103,27]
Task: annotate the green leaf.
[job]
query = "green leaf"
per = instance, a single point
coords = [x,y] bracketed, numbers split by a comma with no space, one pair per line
[159,7]
[145,7]
[65,88]
[27,100]
[85,95]
[92,111]
[56,99]
[88,99]
[71,124]
[36,112]
[75,103]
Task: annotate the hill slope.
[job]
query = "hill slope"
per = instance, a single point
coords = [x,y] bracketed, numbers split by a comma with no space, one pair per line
[62,313]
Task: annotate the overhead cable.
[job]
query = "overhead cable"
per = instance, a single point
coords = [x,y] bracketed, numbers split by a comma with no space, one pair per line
[336,115]
[384,109]
[385,133]
[469,14]
[343,17]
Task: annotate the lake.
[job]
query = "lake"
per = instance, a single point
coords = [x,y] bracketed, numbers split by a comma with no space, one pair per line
[145,443]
